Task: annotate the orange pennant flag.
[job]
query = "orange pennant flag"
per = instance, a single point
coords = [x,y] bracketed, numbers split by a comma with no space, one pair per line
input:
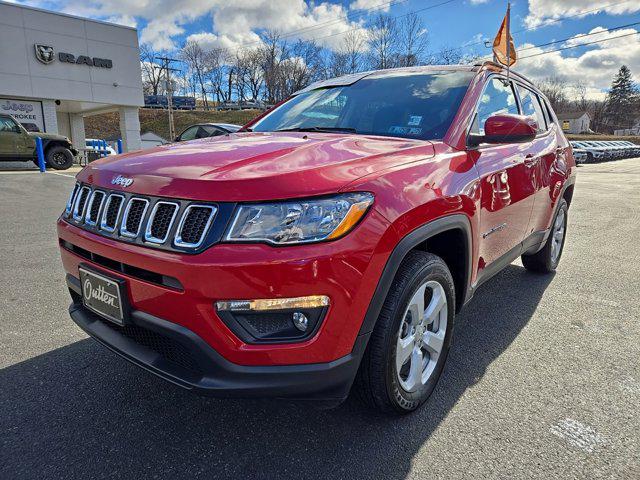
[504,50]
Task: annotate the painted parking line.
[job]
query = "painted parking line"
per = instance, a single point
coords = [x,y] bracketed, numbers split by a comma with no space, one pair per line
[578,434]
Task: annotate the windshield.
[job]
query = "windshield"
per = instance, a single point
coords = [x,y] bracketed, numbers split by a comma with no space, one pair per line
[400,104]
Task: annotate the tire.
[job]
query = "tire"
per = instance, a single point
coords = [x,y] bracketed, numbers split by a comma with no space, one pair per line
[59,158]
[546,260]
[380,384]
[590,158]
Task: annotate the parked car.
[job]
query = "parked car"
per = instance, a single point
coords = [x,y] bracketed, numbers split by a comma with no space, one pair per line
[330,244]
[204,130]
[594,153]
[177,102]
[17,144]
[580,155]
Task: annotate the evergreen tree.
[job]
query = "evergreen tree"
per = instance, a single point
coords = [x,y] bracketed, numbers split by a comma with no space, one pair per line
[622,100]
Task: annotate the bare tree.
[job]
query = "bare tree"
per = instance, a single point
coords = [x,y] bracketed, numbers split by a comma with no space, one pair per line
[413,40]
[448,56]
[383,42]
[555,90]
[194,56]
[272,54]
[352,48]
[151,74]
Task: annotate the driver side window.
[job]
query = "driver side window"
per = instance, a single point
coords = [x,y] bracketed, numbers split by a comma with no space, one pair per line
[8,126]
[498,97]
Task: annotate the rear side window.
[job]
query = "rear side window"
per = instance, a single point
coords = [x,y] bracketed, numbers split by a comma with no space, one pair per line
[531,107]
[498,97]
[189,134]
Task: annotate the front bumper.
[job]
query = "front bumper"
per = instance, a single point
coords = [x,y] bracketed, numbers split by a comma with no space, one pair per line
[178,355]
[346,270]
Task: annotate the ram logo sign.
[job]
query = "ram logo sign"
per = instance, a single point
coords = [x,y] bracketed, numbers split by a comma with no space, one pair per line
[44,53]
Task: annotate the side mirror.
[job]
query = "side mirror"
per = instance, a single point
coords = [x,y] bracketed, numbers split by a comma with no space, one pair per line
[505,128]
[177,139]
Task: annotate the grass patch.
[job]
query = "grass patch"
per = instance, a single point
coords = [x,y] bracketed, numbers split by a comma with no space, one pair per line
[157,121]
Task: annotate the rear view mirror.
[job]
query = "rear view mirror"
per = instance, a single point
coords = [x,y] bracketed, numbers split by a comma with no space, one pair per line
[505,128]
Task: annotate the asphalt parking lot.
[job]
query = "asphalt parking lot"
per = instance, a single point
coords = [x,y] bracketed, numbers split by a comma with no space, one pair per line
[543,380]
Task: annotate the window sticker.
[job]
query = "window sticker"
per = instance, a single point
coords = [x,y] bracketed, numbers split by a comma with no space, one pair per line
[414,120]
[400,130]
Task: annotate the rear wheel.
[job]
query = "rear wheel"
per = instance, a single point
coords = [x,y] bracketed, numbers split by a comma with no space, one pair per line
[409,345]
[547,259]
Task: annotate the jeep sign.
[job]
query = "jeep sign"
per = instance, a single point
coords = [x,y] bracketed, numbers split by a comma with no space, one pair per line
[24,111]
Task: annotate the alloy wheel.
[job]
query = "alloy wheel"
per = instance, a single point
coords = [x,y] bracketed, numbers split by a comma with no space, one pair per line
[558,235]
[421,336]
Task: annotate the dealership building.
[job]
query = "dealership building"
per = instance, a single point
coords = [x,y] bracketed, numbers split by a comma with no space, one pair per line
[56,69]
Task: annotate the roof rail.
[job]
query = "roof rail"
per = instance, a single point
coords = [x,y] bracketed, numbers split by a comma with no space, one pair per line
[497,66]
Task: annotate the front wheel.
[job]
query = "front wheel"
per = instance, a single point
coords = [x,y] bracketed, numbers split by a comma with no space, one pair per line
[410,342]
[547,259]
[59,158]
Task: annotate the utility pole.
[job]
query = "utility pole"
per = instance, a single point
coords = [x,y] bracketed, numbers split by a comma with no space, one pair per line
[167,69]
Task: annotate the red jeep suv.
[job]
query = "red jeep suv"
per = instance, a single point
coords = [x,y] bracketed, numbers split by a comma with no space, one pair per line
[329,242]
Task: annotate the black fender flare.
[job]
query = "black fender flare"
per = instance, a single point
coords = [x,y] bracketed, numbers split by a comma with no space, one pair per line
[456,221]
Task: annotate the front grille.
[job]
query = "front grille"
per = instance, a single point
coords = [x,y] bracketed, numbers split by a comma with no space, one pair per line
[168,348]
[194,225]
[149,221]
[133,214]
[94,207]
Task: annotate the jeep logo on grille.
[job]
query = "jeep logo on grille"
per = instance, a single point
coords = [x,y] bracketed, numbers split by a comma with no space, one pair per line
[122,181]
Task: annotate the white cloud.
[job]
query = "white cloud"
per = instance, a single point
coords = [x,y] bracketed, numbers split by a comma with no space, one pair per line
[234,22]
[478,2]
[594,67]
[541,10]
[376,5]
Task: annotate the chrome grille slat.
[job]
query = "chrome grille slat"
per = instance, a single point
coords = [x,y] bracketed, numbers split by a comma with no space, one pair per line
[80,204]
[93,207]
[160,221]
[133,216]
[72,197]
[111,213]
[194,225]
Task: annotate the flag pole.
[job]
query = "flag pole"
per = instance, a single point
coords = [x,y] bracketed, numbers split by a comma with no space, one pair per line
[508,38]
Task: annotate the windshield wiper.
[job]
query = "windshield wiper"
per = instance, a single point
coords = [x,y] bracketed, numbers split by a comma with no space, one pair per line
[318,129]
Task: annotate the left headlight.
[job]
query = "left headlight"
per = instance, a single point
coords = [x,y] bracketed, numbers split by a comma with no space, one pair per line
[295,222]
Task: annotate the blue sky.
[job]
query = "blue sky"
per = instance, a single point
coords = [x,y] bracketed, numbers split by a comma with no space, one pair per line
[166,24]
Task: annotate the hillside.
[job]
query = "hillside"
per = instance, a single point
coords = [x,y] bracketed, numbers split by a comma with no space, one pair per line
[157,121]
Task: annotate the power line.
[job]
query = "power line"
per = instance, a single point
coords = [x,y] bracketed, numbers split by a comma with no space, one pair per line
[579,45]
[350,16]
[239,47]
[580,35]
[555,20]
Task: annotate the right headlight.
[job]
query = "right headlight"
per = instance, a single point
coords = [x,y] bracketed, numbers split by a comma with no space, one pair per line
[297,222]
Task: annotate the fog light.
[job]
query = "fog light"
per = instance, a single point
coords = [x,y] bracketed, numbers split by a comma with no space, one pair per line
[274,320]
[300,321]
[266,304]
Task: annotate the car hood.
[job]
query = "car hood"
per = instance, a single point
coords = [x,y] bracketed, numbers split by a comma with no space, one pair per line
[49,136]
[255,166]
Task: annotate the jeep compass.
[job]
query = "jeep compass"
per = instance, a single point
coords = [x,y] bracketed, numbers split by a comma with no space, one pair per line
[328,244]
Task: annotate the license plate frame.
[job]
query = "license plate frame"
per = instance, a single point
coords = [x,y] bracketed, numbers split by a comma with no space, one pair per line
[104,295]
